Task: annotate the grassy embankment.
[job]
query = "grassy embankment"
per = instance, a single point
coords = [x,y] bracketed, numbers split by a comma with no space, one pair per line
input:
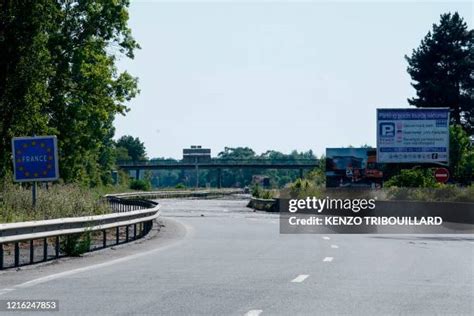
[59,200]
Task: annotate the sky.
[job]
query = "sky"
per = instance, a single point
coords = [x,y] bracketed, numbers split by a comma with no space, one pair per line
[286,75]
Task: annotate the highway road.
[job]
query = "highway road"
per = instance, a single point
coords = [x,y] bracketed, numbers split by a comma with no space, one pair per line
[216,257]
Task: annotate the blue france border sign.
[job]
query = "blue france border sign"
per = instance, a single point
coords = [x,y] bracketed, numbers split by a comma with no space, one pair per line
[35,158]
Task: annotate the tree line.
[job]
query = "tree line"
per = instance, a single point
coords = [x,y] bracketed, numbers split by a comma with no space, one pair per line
[58,76]
[230,177]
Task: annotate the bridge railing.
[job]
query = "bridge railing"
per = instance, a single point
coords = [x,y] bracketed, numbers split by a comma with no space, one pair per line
[39,241]
[218,161]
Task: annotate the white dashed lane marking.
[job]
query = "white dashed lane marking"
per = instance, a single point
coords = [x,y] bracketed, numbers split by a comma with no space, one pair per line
[334,246]
[300,278]
[328,259]
[254,312]
[326,238]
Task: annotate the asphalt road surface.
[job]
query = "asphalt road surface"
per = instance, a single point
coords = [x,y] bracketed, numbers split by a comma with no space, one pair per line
[216,257]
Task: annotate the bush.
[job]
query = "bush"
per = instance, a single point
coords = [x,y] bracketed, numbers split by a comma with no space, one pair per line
[180,186]
[461,155]
[259,193]
[256,191]
[303,188]
[76,244]
[443,193]
[413,178]
[140,185]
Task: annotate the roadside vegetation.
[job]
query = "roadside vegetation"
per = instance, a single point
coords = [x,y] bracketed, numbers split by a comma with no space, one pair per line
[261,193]
[420,186]
[57,201]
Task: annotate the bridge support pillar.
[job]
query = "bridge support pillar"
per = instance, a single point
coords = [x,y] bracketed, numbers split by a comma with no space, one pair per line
[137,174]
[219,178]
[197,175]
[301,173]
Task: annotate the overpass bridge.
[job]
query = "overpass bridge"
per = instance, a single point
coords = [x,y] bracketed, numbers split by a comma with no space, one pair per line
[219,165]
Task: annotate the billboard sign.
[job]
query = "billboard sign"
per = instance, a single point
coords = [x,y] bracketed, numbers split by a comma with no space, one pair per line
[413,135]
[352,167]
[35,158]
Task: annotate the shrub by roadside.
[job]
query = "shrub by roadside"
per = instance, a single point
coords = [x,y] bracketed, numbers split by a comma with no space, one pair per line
[302,188]
[140,185]
[58,201]
[443,193]
[259,193]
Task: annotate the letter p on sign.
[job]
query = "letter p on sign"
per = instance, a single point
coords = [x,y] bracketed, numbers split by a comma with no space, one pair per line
[387,129]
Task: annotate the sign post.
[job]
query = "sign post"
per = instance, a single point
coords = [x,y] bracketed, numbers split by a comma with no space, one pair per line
[35,159]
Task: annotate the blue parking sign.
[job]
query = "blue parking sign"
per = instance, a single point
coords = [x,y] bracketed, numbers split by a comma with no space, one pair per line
[35,158]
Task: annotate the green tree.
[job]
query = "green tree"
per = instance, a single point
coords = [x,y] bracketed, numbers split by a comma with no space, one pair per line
[58,76]
[87,90]
[25,68]
[461,155]
[237,153]
[442,70]
[135,148]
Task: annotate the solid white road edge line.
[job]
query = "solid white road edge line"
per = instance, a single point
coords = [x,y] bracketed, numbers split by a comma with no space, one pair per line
[95,266]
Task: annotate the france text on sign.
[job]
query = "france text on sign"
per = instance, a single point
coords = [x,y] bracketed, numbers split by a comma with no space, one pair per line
[413,135]
[35,158]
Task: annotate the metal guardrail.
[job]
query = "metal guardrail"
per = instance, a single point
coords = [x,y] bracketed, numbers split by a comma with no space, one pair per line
[180,193]
[23,243]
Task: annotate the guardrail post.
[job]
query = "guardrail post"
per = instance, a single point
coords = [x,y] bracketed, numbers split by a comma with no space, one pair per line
[57,247]
[135,231]
[126,233]
[104,238]
[219,178]
[32,251]
[17,254]
[1,256]
[45,249]
[117,239]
